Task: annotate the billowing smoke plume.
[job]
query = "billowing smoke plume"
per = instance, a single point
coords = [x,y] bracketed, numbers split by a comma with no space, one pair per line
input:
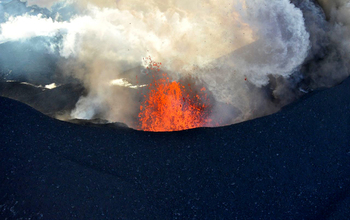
[253,56]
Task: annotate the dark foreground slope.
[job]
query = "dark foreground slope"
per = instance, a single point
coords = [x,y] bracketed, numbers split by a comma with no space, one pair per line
[291,165]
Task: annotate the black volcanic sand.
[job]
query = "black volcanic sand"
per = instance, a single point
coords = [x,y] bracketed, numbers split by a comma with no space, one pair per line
[291,165]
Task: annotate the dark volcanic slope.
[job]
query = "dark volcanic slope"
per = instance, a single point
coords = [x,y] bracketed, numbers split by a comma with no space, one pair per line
[291,165]
[48,101]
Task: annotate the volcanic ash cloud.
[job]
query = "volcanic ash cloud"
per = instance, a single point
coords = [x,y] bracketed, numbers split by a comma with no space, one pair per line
[237,49]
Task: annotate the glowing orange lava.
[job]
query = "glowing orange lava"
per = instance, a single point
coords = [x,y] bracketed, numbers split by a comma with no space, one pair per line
[170,106]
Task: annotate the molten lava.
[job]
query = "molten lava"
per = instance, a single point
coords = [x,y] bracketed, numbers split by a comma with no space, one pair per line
[170,106]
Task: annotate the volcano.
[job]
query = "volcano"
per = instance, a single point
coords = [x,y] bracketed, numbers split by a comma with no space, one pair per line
[293,164]
[245,114]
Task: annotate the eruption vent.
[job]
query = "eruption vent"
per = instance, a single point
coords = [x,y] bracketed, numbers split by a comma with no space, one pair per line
[170,106]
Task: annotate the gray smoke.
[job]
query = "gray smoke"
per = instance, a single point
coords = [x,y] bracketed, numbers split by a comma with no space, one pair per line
[253,56]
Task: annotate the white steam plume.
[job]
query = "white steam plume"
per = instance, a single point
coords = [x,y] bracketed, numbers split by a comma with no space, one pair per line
[240,49]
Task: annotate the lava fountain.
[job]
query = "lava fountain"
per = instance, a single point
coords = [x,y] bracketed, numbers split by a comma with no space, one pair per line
[172,106]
